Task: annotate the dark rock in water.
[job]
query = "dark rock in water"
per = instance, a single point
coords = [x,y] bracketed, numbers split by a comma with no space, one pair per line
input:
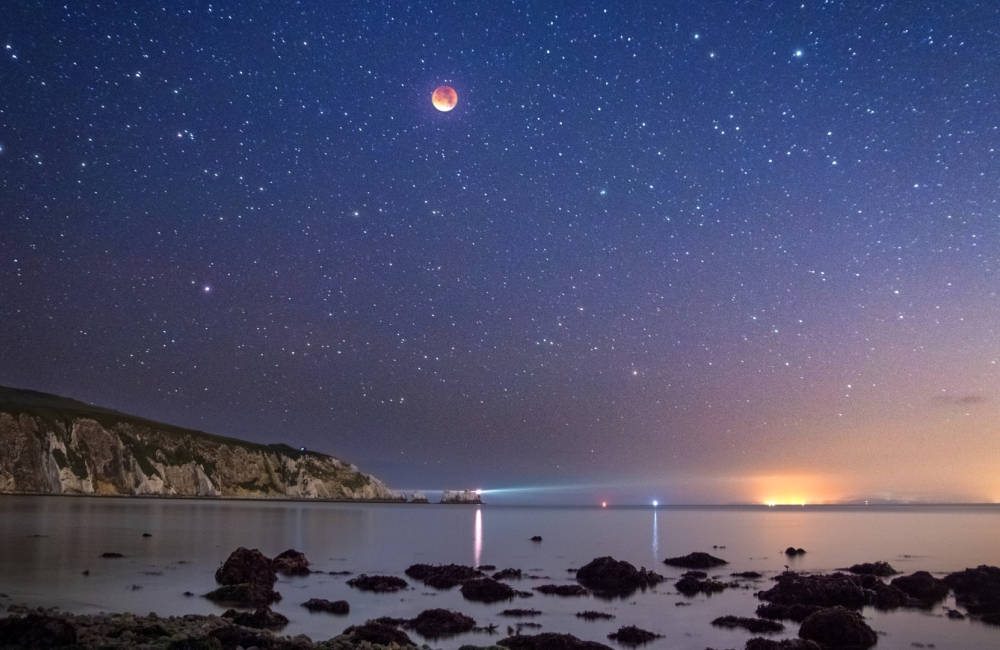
[147,535]
[955,615]
[991,619]
[376,632]
[340,573]
[443,576]
[837,627]
[880,569]
[292,563]
[518,613]
[488,590]
[231,636]
[749,575]
[440,623]
[791,551]
[608,576]
[696,560]
[760,643]
[338,607]
[843,589]
[36,631]
[248,579]
[536,538]
[797,613]
[262,619]
[690,586]
[112,555]
[701,575]
[188,594]
[562,590]
[507,574]
[978,590]
[632,635]
[549,641]
[922,586]
[591,615]
[378,584]
[755,625]
[487,567]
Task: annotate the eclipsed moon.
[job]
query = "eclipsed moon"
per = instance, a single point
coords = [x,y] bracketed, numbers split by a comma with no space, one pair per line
[444,98]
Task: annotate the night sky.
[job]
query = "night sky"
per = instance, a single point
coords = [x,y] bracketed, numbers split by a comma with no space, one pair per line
[692,251]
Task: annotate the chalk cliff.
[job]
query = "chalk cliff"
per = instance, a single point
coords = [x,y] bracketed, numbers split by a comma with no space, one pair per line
[55,445]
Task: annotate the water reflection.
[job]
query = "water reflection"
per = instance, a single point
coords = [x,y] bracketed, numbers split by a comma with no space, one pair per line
[656,539]
[479,536]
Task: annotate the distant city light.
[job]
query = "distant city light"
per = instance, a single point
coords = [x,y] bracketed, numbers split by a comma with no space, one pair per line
[604,504]
[656,503]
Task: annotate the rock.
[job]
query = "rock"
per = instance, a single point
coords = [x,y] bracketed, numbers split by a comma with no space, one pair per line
[292,563]
[696,560]
[749,575]
[955,615]
[633,636]
[591,615]
[562,590]
[440,623]
[608,576]
[488,590]
[536,538]
[797,613]
[978,590]
[339,607]
[880,569]
[922,586]
[991,619]
[147,535]
[791,551]
[837,627]
[461,496]
[760,643]
[701,575]
[378,584]
[419,497]
[690,586]
[36,631]
[519,613]
[549,641]
[443,576]
[111,555]
[248,579]
[755,625]
[843,589]
[377,633]
[262,618]
[507,574]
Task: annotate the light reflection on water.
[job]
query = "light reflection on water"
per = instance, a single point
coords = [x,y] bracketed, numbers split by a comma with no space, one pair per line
[47,542]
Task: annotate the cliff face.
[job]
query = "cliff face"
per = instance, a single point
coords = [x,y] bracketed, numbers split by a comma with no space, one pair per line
[461,496]
[53,445]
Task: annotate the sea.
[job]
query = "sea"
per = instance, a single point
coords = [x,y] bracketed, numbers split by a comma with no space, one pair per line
[47,543]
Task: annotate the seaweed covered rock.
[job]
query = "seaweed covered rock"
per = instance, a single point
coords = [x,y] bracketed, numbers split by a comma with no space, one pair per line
[507,574]
[838,627]
[923,587]
[292,563]
[606,575]
[549,641]
[591,615]
[760,643]
[443,576]
[263,618]
[440,623]
[633,636]
[376,632]
[836,589]
[488,590]
[978,590]
[797,612]
[696,560]
[562,590]
[338,607]
[755,625]
[247,578]
[691,586]
[880,569]
[520,613]
[378,584]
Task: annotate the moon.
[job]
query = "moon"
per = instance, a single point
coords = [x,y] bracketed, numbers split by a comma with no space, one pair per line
[444,98]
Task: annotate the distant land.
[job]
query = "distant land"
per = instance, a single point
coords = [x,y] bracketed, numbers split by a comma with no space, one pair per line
[56,445]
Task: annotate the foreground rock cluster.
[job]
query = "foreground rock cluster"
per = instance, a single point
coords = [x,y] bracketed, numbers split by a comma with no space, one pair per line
[827,607]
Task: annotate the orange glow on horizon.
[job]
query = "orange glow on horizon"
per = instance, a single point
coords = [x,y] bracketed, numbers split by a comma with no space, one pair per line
[793,490]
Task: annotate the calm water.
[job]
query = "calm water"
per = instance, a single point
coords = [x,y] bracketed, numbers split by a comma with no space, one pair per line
[47,542]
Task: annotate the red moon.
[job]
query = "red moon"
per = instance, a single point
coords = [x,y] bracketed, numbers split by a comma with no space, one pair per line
[444,98]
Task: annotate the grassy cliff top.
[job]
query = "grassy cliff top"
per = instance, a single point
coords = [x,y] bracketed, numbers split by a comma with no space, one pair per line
[57,409]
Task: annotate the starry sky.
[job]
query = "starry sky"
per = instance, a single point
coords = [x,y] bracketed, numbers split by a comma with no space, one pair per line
[696,251]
